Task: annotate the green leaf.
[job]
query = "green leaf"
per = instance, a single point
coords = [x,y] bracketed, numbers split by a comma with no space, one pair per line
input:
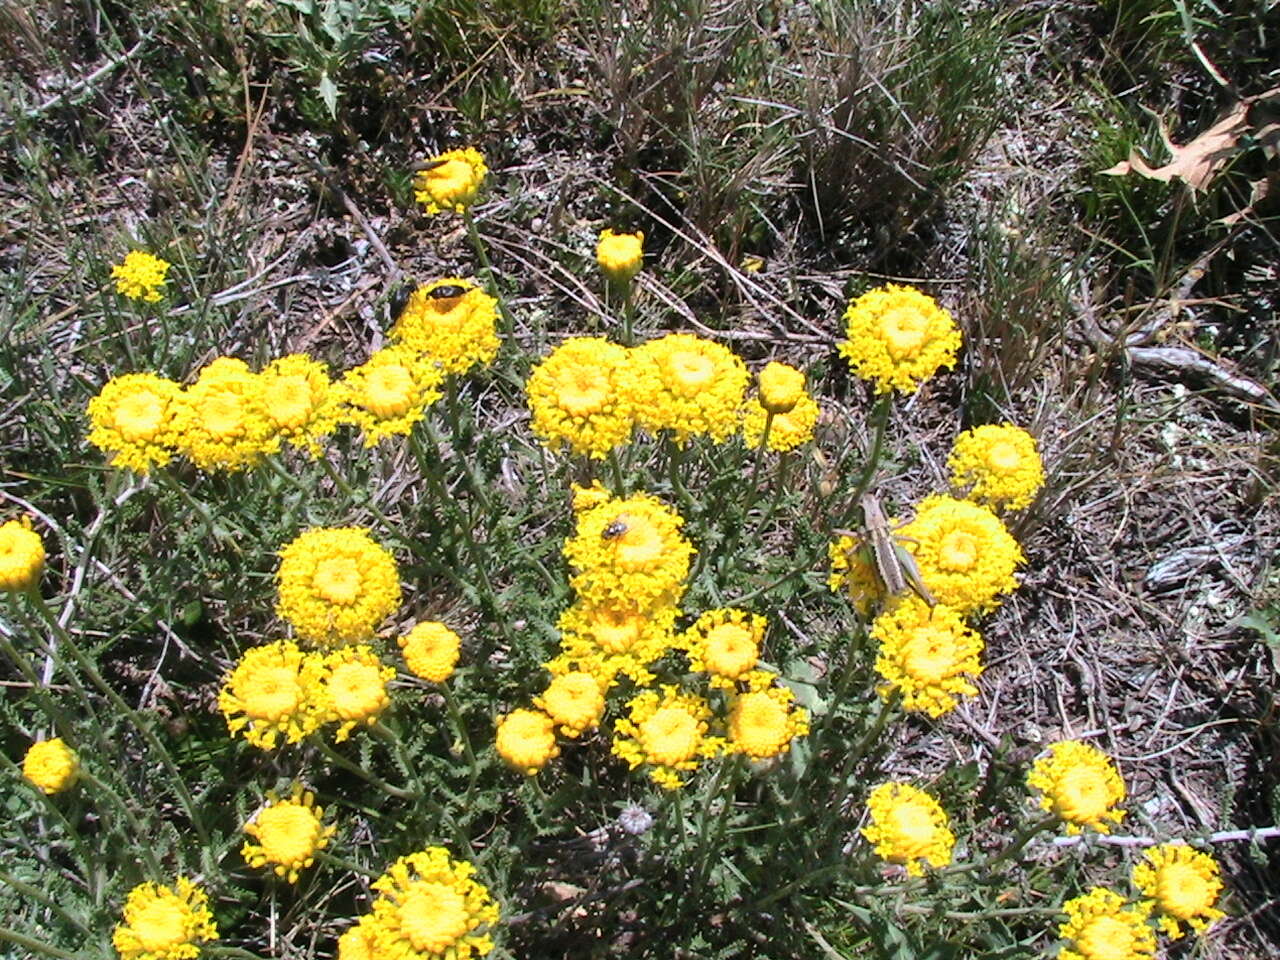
[329,93]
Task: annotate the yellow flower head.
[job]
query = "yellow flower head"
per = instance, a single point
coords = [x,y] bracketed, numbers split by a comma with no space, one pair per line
[288,832]
[620,255]
[526,739]
[628,552]
[299,401]
[667,730]
[587,496]
[336,585]
[51,765]
[1183,885]
[450,181]
[431,907]
[141,276]
[781,387]
[927,654]
[21,556]
[765,719]
[431,651]
[1080,784]
[574,700]
[724,643]
[898,337]
[357,687]
[605,639]
[275,690]
[360,941]
[456,332]
[853,571]
[389,393]
[1000,464]
[164,923]
[576,398]
[223,425]
[1101,927]
[786,430]
[690,386]
[909,827]
[965,554]
[136,419]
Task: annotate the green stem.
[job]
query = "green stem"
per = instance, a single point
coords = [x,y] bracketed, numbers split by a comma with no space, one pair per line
[881,417]
[35,893]
[169,483]
[140,833]
[619,479]
[39,946]
[482,254]
[753,488]
[334,757]
[455,715]
[343,864]
[675,464]
[780,484]
[117,701]
[406,763]
[722,819]
[628,315]
[1014,847]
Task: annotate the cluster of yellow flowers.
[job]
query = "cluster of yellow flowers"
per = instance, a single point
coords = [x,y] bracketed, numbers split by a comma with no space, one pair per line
[630,564]
[141,276]
[898,337]
[590,395]
[230,417]
[428,906]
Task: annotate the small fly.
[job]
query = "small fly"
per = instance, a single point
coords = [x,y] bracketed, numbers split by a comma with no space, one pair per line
[448,291]
[614,530]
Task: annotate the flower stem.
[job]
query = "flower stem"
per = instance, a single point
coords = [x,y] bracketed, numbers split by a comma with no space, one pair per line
[628,315]
[482,254]
[372,779]
[881,417]
[451,705]
[38,946]
[619,479]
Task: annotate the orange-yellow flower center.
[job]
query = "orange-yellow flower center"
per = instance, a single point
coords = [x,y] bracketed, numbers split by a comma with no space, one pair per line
[689,372]
[288,833]
[1105,938]
[270,693]
[928,655]
[1081,794]
[759,723]
[160,925]
[670,736]
[1183,891]
[730,650]
[912,827]
[433,916]
[574,699]
[451,177]
[617,630]
[388,391]
[640,545]
[904,332]
[223,414]
[958,551]
[288,400]
[1003,457]
[357,689]
[337,579]
[139,415]
[583,390]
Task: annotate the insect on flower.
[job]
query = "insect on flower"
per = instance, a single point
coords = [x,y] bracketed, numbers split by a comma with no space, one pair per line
[448,291]
[400,298]
[614,530]
[894,564]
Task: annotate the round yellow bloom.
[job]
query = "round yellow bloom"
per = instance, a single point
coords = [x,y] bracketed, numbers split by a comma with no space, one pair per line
[620,255]
[222,425]
[587,496]
[1101,927]
[526,739]
[1080,784]
[724,643]
[457,333]
[136,418]
[275,690]
[1183,885]
[165,923]
[450,181]
[299,401]
[908,827]
[431,907]
[690,386]
[965,554]
[765,719]
[288,832]
[781,387]
[898,337]
[927,654]
[21,556]
[576,399]
[667,730]
[628,552]
[1001,465]
[787,430]
[575,701]
[336,585]
[51,765]
[389,393]
[141,276]
[611,638]
[356,687]
[431,651]
[853,571]
[360,941]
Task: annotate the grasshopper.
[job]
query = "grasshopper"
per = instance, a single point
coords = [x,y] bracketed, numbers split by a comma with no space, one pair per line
[894,564]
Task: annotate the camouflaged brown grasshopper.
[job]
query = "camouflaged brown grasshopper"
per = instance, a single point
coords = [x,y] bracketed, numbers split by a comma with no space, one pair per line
[894,564]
